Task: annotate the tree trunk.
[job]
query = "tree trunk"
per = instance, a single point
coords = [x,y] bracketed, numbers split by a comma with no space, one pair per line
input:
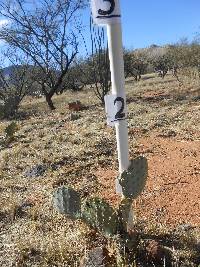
[48,96]
[50,102]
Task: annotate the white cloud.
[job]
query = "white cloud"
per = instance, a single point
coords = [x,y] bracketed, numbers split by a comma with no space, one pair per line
[3,22]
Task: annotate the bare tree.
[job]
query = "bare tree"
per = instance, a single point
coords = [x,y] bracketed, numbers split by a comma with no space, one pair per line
[47,32]
[75,79]
[175,55]
[161,65]
[15,82]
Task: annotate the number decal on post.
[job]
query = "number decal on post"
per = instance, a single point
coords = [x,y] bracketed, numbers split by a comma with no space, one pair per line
[107,12]
[115,109]
[120,114]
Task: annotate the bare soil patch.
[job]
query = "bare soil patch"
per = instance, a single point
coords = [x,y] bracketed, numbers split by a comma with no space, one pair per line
[171,195]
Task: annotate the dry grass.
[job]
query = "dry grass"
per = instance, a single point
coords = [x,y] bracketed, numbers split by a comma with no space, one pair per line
[72,151]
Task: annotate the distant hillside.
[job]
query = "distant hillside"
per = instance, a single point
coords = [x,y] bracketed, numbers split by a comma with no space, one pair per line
[153,50]
[9,70]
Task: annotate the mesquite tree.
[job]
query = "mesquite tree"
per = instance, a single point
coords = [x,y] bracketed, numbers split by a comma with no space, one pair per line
[47,32]
[135,64]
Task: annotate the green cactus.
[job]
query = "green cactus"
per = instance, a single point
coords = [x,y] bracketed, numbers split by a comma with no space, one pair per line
[98,214]
[95,212]
[67,201]
[134,179]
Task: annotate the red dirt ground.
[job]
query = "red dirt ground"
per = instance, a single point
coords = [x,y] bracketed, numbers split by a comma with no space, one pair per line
[172,192]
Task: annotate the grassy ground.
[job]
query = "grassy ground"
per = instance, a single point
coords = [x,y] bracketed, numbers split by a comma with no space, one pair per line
[73,147]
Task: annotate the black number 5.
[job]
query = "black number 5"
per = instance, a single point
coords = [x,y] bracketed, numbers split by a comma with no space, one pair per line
[109,11]
[120,114]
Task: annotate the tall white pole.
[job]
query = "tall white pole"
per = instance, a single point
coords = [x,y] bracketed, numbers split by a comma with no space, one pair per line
[107,12]
[118,88]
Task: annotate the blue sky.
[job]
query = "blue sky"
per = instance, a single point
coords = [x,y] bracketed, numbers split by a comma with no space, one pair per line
[147,22]
[159,22]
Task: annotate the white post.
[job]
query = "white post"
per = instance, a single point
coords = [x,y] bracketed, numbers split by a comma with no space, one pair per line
[107,12]
[118,88]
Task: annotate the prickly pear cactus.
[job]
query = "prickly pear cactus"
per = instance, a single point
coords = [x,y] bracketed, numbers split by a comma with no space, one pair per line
[98,214]
[134,179]
[67,201]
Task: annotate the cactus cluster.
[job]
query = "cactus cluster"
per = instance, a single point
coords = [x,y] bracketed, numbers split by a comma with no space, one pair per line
[95,212]
[98,213]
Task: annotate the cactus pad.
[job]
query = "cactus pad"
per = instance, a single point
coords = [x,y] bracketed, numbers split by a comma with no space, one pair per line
[67,201]
[134,179]
[98,214]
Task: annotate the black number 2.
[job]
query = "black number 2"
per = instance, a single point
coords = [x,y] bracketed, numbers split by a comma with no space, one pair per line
[109,11]
[120,114]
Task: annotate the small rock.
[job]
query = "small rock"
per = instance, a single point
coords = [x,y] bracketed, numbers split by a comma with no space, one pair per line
[37,170]
[98,257]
